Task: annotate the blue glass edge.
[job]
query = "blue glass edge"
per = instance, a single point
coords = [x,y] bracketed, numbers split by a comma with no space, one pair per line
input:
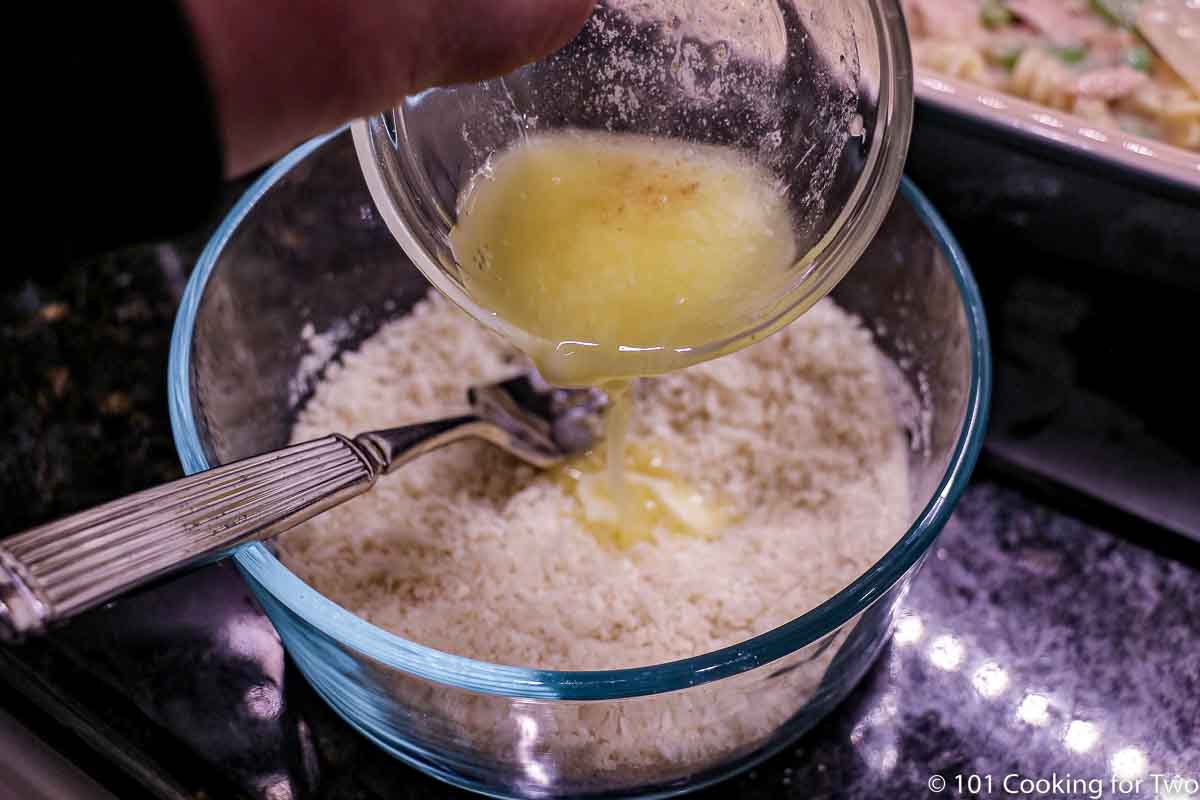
[351,631]
[179,360]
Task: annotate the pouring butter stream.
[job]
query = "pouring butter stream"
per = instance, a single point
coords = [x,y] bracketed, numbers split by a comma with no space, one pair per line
[609,257]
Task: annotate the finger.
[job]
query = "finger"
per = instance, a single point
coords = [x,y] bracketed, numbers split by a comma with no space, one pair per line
[413,45]
[282,71]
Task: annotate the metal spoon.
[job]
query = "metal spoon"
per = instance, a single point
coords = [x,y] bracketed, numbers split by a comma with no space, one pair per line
[53,572]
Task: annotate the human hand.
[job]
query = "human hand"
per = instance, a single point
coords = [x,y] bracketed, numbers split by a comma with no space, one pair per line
[281,71]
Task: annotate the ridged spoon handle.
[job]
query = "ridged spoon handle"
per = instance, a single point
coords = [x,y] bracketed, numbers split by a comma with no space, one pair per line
[55,571]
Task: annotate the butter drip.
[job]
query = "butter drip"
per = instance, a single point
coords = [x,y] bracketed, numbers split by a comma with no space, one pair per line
[609,257]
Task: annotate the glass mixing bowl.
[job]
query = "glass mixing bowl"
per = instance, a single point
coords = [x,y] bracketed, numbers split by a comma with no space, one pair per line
[304,252]
[819,93]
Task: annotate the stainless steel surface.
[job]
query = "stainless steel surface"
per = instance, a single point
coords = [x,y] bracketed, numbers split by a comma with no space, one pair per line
[1022,125]
[530,419]
[53,572]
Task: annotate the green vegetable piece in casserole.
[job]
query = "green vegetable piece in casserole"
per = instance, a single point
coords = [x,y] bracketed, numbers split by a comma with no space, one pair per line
[1004,55]
[995,14]
[1071,55]
[1119,12]
[1140,58]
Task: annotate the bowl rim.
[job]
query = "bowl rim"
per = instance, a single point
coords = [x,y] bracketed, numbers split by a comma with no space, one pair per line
[266,573]
[824,265]
[1152,164]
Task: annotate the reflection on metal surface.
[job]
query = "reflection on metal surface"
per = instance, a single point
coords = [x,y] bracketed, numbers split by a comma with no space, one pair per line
[1081,736]
[1049,120]
[1034,709]
[946,653]
[1140,149]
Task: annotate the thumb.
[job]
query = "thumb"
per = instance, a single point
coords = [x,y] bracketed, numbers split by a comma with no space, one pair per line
[281,71]
[455,41]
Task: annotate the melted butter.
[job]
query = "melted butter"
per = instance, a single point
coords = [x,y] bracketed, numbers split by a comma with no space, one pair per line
[616,432]
[655,503]
[613,256]
[609,257]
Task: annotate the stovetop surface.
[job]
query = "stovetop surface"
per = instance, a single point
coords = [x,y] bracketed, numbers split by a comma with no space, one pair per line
[1055,631]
